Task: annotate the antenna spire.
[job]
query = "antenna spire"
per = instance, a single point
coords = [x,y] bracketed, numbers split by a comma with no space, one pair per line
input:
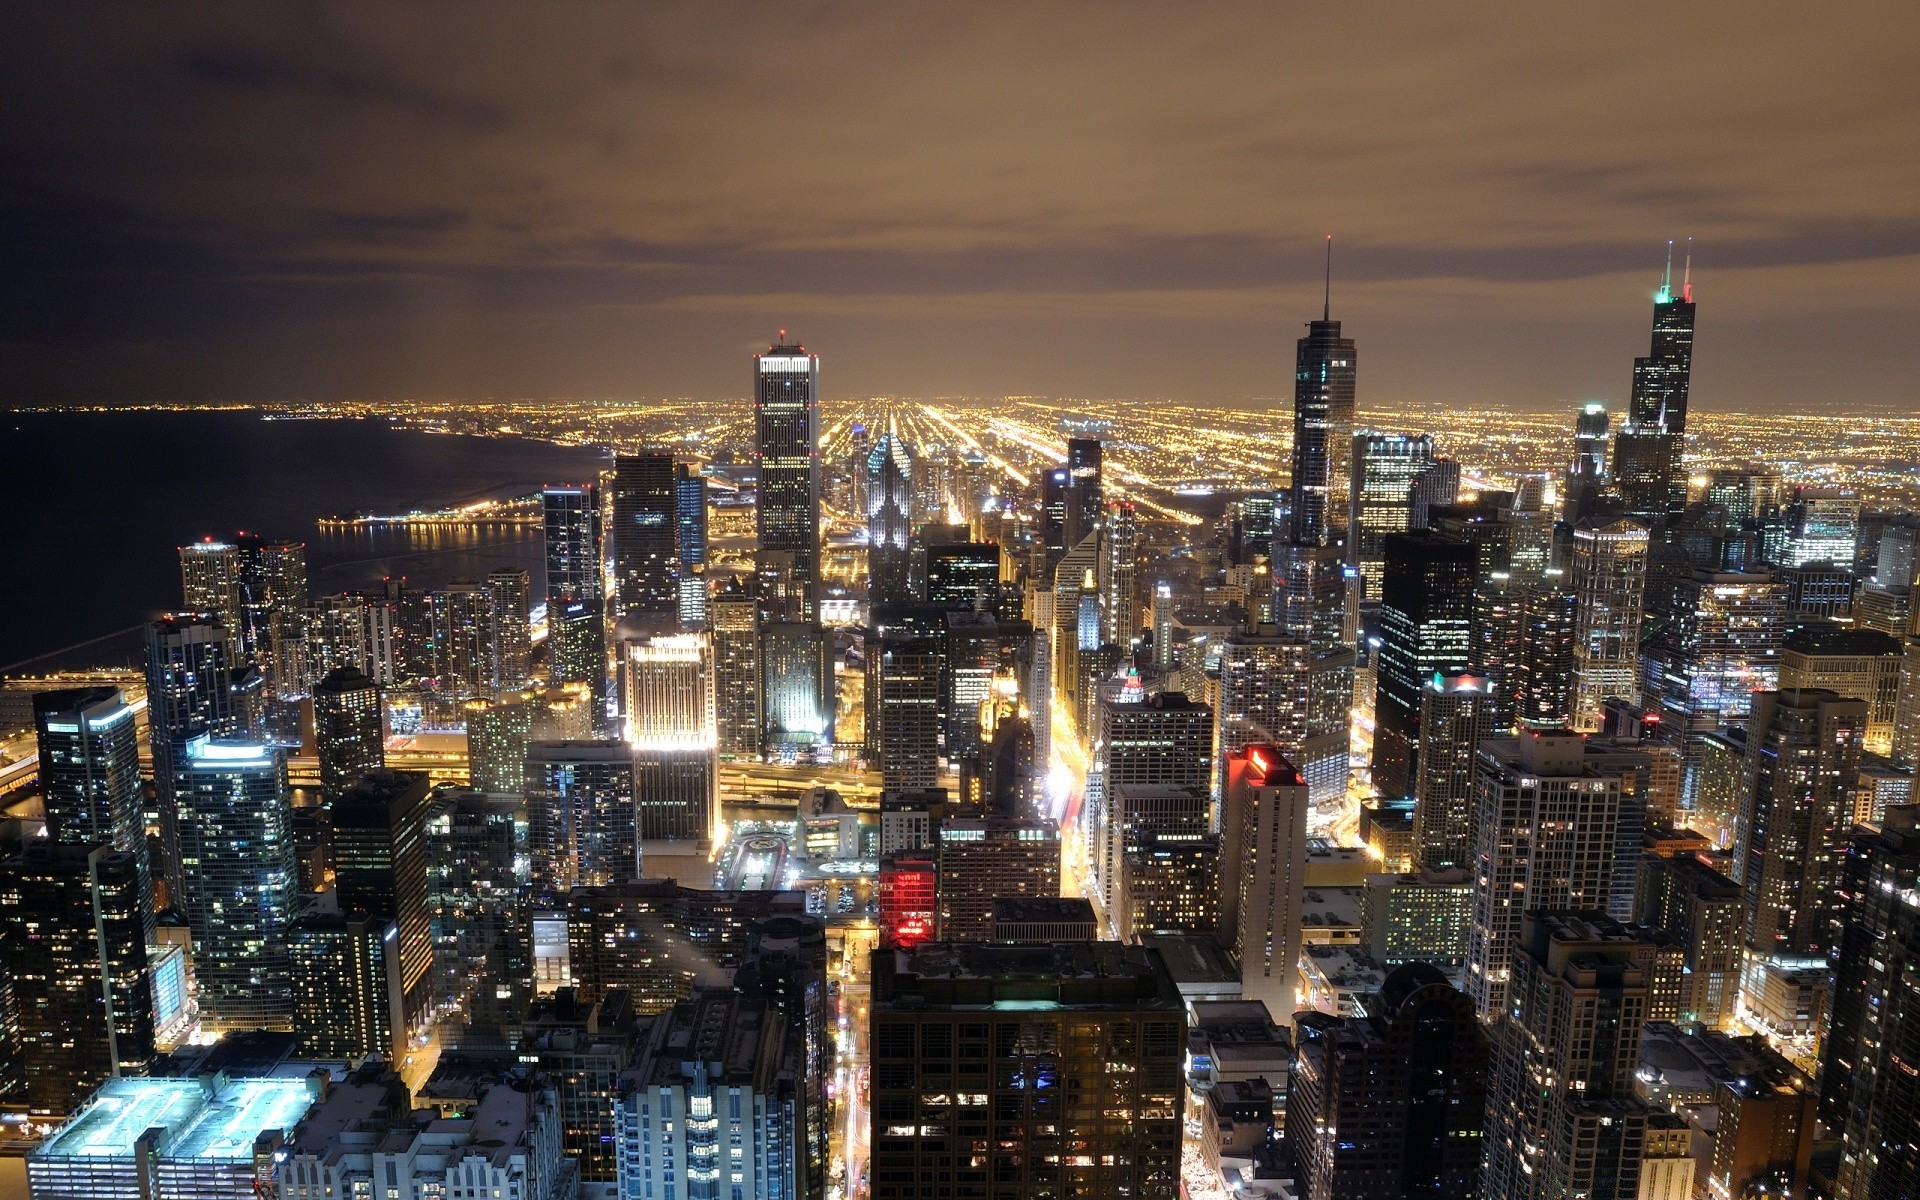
[1686,285]
[1326,305]
[1666,277]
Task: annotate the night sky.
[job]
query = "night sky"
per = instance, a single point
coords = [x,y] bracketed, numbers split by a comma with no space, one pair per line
[286,201]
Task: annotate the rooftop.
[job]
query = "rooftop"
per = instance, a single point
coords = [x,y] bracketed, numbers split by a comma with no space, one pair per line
[208,1118]
[1035,976]
[1056,909]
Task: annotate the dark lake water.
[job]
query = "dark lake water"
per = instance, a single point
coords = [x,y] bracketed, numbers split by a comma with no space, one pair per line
[97,504]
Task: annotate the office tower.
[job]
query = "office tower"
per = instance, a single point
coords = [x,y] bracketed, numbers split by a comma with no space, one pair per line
[1119,606]
[236,841]
[786,410]
[1263,856]
[1562,1118]
[645,521]
[1802,769]
[73,935]
[977,686]
[964,576]
[1170,883]
[1454,720]
[1609,577]
[656,940]
[1325,366]
[1436,487]
[1275,688]
[1906,720]
[1647,453]
[581,815]
[1705,912]
[670,691]
[1588,472]
[1861,664]
[1086,498]
[796,675]
[89,768]
[904,673]
[1162,738]
[1391,1102]
[575,590]
[1542,669]
[1818,525]
[786,966]
[1717,645]
[690,517]
[1426,614]
[735,619]
[716,1092]
[1043,1108]
[981,859]
[196,685]
[1385,467]
[1417,917]
[1010,778]
[1050,543]
[1547,822]
[908,898]
[348,729]
[354,629]
[210,582]
[380,870]
[349,998]
[1127,817]
[889,515]
[509,597]
[1868,1089]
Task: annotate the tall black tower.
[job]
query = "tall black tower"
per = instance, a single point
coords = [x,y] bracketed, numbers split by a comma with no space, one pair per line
[1324,370]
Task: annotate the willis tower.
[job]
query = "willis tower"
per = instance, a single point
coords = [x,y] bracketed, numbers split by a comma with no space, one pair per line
[1647,453]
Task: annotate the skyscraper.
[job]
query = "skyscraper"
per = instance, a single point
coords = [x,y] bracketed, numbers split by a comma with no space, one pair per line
[582,823]
[1647,454]
[904,668]
[576,591]
[1863,664]
[1017,1011]
[1705,912]
[240,885]
[738,708]
[889,516]
[509,596]
[1275,688]
[348,729]
[1790,845]
[982,860]
[210,582]
[380,870]
[1391,1102]
[1426,620]
[73,934]
[1454,720]
[1547,824]
[196,686]
[963,575]
[786,410]
[645,517]
[1263,856]
[1325,367]
[1562,1117]
[90,768]
[1609,587]
[1385,468]
[1086,498]
[348,997]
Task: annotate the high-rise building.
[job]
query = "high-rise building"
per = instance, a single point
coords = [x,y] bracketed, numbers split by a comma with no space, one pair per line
[1426,620]
[1086,498]
[575,589]
[1609,578]
[889,514]
[1392,1101]
[908,899]
[1277,688]
[73,935]
[348,728]
[196,686]
[239,883]
[964,575]
[90,768]
[210,582]
[904,671]
[645,520]
[738,709]
[1868,1090]
[1385,467]
[509,596]
[1861,664]
[690,517]
[349,995]
[1818,525]
[1588,472]
[795,679]
[1044,1105]
[356,629]
[1263,856]
[1706,913]
[1454,720]
[786,410]
[716,1092]
[655,940]
[581,816]
[981,860]
[498,733]
[1562,1117]
[1325,368]
[1170,883]
[1801,772]
[1547,823]
[461,660]
[380,870]
[1119,605]
[1719,643]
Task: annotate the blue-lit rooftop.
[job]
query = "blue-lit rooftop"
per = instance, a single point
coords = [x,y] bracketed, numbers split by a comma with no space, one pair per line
[201,1123]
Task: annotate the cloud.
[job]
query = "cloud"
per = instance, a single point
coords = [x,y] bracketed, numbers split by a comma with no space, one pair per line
[651,166]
